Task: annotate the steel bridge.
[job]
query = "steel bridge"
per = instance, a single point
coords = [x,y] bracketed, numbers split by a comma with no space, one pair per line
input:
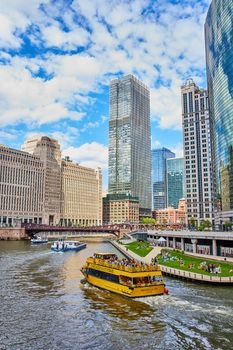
[32,229]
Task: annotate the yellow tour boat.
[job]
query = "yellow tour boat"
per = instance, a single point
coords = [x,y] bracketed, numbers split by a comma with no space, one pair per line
[123,276]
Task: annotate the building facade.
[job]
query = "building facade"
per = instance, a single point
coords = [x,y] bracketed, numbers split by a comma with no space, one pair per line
[171,216]
[36,186]
[21,187]
[48,150]
[159,176]
[120,208]
[130,141]
[197,153]
[175,181]
[219,60]
[81,195]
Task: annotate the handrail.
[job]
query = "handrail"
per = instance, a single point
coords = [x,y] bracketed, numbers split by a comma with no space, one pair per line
[196,276]
[116,265]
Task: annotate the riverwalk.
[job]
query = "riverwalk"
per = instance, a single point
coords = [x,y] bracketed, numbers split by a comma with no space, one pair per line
[125,251]
[172,271]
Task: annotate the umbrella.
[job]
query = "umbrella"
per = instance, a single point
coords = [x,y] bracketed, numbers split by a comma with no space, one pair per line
[161,239]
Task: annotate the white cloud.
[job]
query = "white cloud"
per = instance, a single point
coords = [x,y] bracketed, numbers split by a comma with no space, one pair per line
[178,150]
[91,155]
[8,135]
[163,47]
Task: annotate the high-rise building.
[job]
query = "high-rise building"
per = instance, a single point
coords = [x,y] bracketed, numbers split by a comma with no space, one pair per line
[159,178]
[81,195]
[130,141]
[48,150]
[120,208]
[37,186]
[21,187]
[175,181]
[219,61]
[197,152]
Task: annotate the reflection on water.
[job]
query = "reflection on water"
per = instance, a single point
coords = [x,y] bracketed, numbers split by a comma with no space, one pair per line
[44,306]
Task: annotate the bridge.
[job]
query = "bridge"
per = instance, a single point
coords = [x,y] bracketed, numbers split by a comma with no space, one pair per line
[32,229]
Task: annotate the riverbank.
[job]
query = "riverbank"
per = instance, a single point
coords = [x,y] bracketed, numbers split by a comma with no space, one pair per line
[173,272]
[12,234]
[131,255]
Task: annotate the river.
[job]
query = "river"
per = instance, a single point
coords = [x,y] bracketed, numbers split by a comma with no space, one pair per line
[45,307]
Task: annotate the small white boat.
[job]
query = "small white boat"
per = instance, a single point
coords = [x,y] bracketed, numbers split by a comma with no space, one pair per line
[63,246]
[39,240]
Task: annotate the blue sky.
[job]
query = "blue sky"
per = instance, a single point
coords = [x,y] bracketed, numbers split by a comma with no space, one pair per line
[57,58]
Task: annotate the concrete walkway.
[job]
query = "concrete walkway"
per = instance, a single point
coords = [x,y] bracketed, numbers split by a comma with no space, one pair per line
[147,259]
[210,257]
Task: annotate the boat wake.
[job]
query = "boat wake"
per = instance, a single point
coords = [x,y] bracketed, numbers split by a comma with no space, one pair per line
[182,304]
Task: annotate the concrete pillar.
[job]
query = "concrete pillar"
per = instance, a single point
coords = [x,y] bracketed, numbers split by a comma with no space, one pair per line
[182,244]
[167,239]
[214,245]
[174,242]
[194,243]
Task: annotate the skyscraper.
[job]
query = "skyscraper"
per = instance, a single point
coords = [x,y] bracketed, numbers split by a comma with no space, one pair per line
[175,181]
[197,152]
[219,62]
[48,150]
[130,141]
[159,180]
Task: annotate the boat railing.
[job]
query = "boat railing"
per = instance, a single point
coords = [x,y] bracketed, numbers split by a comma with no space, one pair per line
[118,266]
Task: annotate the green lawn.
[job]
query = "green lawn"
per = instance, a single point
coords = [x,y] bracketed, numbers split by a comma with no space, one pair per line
[225,266]
[139,248]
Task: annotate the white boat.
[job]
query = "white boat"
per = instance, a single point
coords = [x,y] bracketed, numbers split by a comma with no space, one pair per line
[39,240]
[63,245]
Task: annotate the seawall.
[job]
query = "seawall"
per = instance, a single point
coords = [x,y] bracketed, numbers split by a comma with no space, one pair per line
[12,233]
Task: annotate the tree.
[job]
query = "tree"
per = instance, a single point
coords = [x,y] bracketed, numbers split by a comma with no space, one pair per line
[206,224]
[228,225]
[149,221]
[192,222]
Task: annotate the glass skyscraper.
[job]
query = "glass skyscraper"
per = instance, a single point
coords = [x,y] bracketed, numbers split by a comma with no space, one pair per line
[159,183]
[219,63]
[130,141]
[175,181]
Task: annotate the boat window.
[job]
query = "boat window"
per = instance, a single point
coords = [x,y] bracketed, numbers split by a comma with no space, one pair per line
[127,281]
[138,281]
[103,275]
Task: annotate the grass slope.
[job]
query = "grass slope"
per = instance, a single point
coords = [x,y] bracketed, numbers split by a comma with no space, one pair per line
[140,248]
[225,266]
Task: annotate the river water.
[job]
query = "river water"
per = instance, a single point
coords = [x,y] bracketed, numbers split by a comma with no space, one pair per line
[45,307]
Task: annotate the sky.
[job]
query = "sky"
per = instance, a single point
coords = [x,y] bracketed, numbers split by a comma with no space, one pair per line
[57,58]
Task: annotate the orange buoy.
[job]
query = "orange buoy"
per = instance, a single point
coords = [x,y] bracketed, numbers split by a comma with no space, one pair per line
[165,290]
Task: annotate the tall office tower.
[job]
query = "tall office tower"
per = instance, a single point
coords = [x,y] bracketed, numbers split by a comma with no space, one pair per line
[175,181]
[219,63]
[130,141]
[48,150]
[21,187]
[81,195]
[159,179]
[197,152]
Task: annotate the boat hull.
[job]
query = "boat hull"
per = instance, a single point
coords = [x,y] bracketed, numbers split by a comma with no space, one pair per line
[39,242]
[136,292]
[76,249]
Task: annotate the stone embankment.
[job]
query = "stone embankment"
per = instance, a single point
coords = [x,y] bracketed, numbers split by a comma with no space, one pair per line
[12,233]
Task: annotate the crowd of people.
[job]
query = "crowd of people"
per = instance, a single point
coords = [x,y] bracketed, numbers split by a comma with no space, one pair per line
[203,266]
[130,265]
